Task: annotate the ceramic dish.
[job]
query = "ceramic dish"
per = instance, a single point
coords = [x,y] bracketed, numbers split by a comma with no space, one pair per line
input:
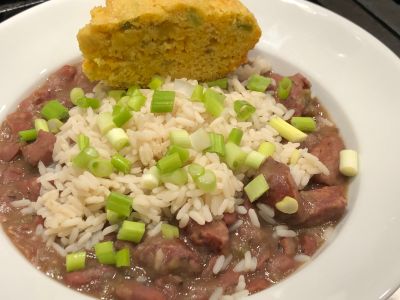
[354,75]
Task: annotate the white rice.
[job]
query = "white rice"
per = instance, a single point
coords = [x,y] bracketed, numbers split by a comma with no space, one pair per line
[302,258]
[236,225]
[247,264]
[72,201]
[219,263]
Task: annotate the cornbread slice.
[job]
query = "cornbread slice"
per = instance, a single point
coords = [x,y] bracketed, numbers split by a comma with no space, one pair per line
[129,41]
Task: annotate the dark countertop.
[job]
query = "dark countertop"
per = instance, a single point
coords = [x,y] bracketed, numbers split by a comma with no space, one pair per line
[379,17]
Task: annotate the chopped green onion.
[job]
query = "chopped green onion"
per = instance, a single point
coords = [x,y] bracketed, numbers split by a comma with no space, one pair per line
[234,156]
[131,231]
[222,83]
[86,102]
[137,100]
[124,101]
[113,217]
[178,177]
[41,124]
[169,231]
[195,170]
[53,109]
[243,109]
[83,141]
[254,159]
[217,144]
[180,137]
[116,94]
[183,152]
[266,148]
[132,89]
[306,124]
[198,94]
[123,116]
[348,164]
[284,88]
[75,94]
[105,253]
[116,109]
[75,261]
[84,157]
[123,258]
[214,102]
[27,135]
[200,140]
[119,203]
[287,205]
[258,83]
[162,101]
[151,179]
[105,122]
[256,188]
[117,138]
[121,163]
[235,136]
[100,167]
[156,82]
[287,131]
[294,158]
[169,163]
[206,182]
[54,125]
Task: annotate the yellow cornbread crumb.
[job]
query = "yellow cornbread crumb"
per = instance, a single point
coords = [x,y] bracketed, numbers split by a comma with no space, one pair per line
[129,41]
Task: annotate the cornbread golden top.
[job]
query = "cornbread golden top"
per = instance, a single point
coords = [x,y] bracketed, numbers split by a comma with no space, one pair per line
[129,41]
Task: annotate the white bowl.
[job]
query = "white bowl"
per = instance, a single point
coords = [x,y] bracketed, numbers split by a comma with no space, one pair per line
[354,75]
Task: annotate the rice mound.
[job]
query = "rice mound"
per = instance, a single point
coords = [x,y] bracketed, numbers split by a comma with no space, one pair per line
[72,201]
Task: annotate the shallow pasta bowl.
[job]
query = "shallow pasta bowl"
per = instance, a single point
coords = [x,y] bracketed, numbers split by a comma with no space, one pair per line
[354,76]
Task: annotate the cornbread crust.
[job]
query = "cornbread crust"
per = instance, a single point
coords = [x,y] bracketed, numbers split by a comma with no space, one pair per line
[129,41]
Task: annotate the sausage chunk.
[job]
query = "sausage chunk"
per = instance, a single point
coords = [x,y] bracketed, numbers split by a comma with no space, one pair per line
[214,235]
[133,290]
[41,149]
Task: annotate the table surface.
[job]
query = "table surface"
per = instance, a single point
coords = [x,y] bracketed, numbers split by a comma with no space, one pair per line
[381,18]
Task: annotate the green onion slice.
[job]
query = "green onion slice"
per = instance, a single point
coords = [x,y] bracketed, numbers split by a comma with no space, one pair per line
[75,261]
[217,144]
[178,177]
[169,163]
[162,101]
[121,163]
[27,135]
[105,253]
[200,140]
[41,124]
[266,148]
[117,138]
[183,152]
[198,94]
[222,83]
[254,159]
[156,82]
[119,203]
[256,188]
[243,109]
[284,88]
[54,125]
[113,217]
[258,83]
[214,102]
[235,136]
[100,167]
[206,182]
[116,94]
[84,157]
[131,231]
[180,137]
[234,156]
[53,109]
[105,122]
[132,89]
[136,101]
[195,170]
[123,116]
[83,141]
[287,131]
[123,258]
[169,231]
[75,94]
[151,179]
[306,124]
[87,102]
